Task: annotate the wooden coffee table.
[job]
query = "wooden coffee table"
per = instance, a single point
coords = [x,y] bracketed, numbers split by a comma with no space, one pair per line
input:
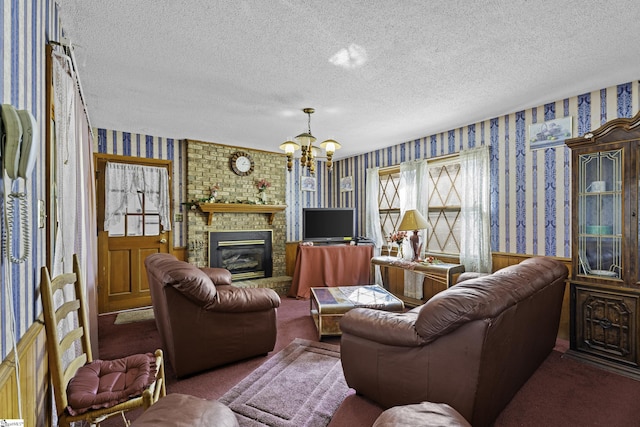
[329,304]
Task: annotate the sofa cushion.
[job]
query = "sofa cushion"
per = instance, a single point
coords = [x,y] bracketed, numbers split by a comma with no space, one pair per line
[485,297]
[105,383]
[191,281]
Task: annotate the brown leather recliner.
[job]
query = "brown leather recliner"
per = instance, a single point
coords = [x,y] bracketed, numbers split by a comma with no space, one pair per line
[205,322]
[471,346]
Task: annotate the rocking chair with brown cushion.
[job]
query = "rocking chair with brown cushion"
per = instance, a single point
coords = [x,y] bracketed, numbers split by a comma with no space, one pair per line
[86,389]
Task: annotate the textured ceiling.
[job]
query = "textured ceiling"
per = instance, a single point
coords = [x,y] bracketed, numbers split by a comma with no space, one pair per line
[377,72]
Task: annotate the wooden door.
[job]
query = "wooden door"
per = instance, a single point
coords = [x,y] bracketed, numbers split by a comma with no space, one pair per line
[122,278]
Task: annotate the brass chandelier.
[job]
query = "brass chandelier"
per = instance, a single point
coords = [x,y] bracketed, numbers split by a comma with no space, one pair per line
[309,151]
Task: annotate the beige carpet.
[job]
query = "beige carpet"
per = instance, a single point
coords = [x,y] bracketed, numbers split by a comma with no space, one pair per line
[134,316]
[301,386]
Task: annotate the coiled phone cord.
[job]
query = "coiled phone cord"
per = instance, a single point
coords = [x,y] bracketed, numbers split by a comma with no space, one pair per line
[24,227]
[8,225]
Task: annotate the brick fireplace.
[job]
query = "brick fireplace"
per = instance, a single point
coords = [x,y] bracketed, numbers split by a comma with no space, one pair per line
[207,165]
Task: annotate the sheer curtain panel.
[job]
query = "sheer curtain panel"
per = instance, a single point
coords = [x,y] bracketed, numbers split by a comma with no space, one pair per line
[373,228]
[475,242]
[413,192]
[74,231]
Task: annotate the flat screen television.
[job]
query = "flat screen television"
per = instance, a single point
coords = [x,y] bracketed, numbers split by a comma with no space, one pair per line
[328,224]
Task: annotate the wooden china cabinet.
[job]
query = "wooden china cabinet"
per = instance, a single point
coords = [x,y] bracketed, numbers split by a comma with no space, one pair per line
[605,284]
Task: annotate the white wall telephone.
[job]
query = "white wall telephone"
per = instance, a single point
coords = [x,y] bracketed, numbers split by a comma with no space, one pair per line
[19,142]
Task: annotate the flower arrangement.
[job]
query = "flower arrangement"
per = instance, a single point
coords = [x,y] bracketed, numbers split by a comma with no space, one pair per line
[398,237]
[262,185]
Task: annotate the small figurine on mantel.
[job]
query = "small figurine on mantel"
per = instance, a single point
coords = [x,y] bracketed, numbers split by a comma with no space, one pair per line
[213,193]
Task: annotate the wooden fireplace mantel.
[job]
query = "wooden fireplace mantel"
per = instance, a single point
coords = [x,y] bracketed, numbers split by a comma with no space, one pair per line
[211,208]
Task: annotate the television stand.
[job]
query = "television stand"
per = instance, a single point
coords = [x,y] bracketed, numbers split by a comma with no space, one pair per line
[330,265]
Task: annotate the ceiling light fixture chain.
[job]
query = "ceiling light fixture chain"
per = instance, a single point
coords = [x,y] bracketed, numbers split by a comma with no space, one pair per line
[304,143]
[309,112]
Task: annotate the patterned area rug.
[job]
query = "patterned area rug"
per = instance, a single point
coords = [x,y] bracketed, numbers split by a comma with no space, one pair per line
[134,316]
[302,385]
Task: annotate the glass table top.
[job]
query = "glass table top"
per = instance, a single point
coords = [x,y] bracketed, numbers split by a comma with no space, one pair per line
[374,296]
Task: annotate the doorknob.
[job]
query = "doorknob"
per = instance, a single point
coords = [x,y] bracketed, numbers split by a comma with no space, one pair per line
[163,240]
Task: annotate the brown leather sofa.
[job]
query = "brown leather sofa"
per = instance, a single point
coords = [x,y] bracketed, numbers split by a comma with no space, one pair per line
[471,346]
[205,322]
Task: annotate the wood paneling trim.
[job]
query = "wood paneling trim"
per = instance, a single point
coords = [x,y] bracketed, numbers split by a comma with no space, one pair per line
[180,253]
[34,380]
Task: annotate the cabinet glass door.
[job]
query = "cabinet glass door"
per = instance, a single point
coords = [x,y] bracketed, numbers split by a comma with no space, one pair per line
[600,214]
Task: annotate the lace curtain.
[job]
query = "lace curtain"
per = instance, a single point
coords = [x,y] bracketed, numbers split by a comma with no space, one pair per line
[65,186]
[124,181]
[373,228]
[412,190]
[66,167]
[475,242]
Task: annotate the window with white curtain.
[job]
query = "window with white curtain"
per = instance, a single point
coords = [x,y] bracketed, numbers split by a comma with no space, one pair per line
[443,188]
[136,200]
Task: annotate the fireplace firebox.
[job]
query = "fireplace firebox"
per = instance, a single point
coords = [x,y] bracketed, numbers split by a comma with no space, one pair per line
[246,254]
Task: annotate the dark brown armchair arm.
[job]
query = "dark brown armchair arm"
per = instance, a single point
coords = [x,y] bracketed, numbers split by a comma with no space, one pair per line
[232,299]
[382,326]
[219,276]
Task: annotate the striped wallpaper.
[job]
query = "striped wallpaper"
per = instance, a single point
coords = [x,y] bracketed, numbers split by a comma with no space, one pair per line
[26,28]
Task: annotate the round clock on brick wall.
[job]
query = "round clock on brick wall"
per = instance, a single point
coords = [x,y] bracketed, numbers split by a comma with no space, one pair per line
[241,163]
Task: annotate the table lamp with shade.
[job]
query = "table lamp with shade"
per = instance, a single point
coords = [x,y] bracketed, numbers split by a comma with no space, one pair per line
[413,220]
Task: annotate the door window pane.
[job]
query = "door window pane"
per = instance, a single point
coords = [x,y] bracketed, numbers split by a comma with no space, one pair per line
[134,225]
[134,202]
[150,207]
[151,225]
[117,229]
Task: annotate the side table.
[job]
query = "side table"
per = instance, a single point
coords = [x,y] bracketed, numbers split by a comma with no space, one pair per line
[440,273]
